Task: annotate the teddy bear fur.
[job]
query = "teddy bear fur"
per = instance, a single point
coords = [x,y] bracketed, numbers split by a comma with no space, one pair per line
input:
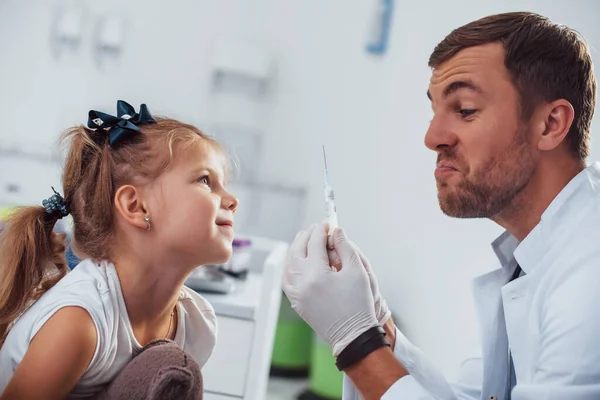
[161,371]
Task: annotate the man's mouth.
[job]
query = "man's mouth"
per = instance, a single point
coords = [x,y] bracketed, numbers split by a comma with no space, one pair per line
[444,169]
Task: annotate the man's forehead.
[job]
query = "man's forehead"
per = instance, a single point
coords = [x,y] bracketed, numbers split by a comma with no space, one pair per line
[484,60]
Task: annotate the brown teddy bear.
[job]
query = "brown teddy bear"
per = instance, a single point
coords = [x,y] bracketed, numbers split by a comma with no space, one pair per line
[161,371]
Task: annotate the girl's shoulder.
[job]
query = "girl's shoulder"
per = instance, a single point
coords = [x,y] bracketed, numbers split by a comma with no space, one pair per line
[88,280]
[189,297]
[198,323]
[86,286]
[197,309]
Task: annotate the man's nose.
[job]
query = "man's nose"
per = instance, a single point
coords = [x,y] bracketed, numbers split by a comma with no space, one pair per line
[439,136]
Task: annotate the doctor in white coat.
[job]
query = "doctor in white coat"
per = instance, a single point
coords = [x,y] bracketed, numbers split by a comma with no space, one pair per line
[513,97]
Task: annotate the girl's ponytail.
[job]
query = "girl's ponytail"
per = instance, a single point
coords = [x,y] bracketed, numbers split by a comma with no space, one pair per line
[26,261]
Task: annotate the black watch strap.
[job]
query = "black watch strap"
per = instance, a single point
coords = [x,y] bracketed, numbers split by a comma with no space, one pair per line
[369,341]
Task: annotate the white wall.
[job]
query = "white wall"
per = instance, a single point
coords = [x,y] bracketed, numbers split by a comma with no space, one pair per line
[164,62]
[371,113]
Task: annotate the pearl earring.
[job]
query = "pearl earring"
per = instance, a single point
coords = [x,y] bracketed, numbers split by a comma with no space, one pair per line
[147,219]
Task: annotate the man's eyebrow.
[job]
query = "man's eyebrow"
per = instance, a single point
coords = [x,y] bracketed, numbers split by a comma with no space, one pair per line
[456,85]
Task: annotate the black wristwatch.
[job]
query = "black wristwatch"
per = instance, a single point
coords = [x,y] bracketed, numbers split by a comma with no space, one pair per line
[362,346]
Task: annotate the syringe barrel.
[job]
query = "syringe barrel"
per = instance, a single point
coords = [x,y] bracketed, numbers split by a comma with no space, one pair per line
[329,196]
[332,216]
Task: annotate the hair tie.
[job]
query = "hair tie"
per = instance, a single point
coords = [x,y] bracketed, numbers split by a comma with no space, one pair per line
[56,203]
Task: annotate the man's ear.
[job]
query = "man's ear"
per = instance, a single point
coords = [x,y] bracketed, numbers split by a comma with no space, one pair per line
[556,119]
[129,205]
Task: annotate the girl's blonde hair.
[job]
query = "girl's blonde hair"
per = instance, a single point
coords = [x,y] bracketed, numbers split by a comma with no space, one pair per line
[93,172]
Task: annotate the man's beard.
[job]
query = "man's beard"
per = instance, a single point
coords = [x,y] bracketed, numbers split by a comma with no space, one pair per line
[492,188]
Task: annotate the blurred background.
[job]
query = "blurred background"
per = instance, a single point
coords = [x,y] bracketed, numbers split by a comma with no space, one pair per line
[275,81]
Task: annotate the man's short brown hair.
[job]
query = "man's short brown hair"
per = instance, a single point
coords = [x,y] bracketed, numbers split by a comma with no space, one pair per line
[546,62]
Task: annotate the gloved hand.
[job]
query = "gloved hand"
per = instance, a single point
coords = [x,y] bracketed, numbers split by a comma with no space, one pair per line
[338,305]
[381,309]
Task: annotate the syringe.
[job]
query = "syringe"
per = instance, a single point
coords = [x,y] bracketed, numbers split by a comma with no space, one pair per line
[330,201]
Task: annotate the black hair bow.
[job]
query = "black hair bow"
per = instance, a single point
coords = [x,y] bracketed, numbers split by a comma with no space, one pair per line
[123,125]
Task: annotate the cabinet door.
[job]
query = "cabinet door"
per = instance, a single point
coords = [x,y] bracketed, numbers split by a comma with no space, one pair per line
[226,370]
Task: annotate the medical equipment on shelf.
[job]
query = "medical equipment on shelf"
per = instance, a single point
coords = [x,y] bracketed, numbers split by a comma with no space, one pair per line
[208,279]
[329,199]
[237,266]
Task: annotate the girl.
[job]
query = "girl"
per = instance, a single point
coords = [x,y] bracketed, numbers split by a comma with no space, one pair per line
[149,205]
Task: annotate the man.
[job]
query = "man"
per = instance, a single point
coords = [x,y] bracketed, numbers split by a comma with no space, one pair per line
[513,96]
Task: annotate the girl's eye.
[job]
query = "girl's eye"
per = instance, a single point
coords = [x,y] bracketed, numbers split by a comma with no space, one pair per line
[466,113]
[205,180]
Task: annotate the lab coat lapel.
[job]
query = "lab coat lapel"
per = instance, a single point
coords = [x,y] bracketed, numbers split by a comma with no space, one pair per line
[516,310]
[494,342]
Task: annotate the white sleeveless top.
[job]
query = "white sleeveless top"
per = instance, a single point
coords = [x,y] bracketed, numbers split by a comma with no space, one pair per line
[96,288]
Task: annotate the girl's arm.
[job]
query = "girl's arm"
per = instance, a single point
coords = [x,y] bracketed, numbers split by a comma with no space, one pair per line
[56,358]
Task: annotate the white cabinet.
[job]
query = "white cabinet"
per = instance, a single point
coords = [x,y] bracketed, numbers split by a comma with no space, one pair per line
[226,370]
[247,317]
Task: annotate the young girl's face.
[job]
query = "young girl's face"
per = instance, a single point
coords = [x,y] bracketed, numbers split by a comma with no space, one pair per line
[191,212]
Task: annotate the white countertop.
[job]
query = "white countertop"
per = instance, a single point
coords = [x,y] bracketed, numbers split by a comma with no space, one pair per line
[242,301]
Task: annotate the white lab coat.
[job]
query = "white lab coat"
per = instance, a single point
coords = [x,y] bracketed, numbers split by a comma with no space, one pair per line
[550,316]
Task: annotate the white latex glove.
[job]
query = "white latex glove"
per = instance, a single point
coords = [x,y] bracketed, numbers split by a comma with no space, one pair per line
[337,305]
[381,309]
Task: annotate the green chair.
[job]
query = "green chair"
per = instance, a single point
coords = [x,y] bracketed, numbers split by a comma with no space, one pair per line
[325,381]
[293,343]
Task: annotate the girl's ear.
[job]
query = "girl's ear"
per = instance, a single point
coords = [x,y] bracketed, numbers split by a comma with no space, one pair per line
[129,205]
